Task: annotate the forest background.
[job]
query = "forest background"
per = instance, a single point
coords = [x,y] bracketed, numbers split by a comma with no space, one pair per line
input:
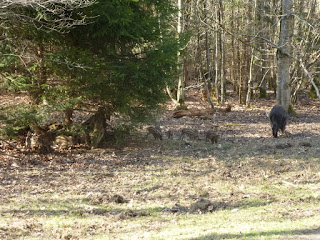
[148,119]
[122,57]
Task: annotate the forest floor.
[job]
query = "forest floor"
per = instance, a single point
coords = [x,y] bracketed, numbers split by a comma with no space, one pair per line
[249,185]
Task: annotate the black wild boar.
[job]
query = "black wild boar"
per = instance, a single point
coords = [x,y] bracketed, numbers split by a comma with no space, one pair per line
[278,119]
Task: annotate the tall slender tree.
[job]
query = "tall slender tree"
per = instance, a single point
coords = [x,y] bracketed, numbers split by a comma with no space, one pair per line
[284,53]
[180,91]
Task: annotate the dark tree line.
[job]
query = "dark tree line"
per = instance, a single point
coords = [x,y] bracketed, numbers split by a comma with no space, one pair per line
[114,56]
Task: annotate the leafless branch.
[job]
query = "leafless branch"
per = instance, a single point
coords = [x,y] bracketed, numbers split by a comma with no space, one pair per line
[310,77]
[65,62]
[303,20]
[56,15]
[10,144]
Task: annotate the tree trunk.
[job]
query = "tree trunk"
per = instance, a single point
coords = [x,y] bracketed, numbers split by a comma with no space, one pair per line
[97,126]
[233,64]
[250,55]
[222,65]
[249,90]
[37,81]
[68,112]
[180,91]
[260,14]
[284,54]
[239,59]
[216,65]
[208,78]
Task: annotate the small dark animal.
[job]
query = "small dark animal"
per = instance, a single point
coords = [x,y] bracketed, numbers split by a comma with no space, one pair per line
[155,132]
[192,134]
[212,137]
[278,119]
[227,108]
[170,134]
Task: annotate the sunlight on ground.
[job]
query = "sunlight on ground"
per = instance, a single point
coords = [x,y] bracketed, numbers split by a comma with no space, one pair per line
[259,187]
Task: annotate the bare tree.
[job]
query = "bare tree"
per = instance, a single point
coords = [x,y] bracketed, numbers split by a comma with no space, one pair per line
[284,54]
[17,17]
[222,51]
[57,15]
[180,91]
[208,59]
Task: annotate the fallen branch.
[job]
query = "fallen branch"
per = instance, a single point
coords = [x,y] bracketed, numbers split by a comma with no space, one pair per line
[192,112]
[11,145]
[5,154]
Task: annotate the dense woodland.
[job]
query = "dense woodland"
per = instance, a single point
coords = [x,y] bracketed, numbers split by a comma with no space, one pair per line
[235,45]
[125,57]
[150,119]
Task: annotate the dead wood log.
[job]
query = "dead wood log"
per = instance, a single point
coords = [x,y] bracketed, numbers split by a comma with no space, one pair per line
[97,125]
[192,112]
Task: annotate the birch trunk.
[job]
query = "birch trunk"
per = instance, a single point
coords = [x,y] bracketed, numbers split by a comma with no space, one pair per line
[283,54]
[222,66]
[216,65]
[208,59]
[180,91]
[248,99]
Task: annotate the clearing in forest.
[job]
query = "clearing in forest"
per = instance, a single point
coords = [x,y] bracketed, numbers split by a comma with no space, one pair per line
[248,185]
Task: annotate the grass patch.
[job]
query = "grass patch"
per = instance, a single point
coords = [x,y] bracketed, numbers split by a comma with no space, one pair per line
[257,195]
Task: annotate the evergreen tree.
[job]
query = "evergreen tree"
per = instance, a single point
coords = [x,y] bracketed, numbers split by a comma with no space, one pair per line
[120,60]
[129,54]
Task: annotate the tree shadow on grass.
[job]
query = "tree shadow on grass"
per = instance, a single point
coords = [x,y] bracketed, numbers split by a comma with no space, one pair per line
[54,213]
[305,234]
[67,208]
